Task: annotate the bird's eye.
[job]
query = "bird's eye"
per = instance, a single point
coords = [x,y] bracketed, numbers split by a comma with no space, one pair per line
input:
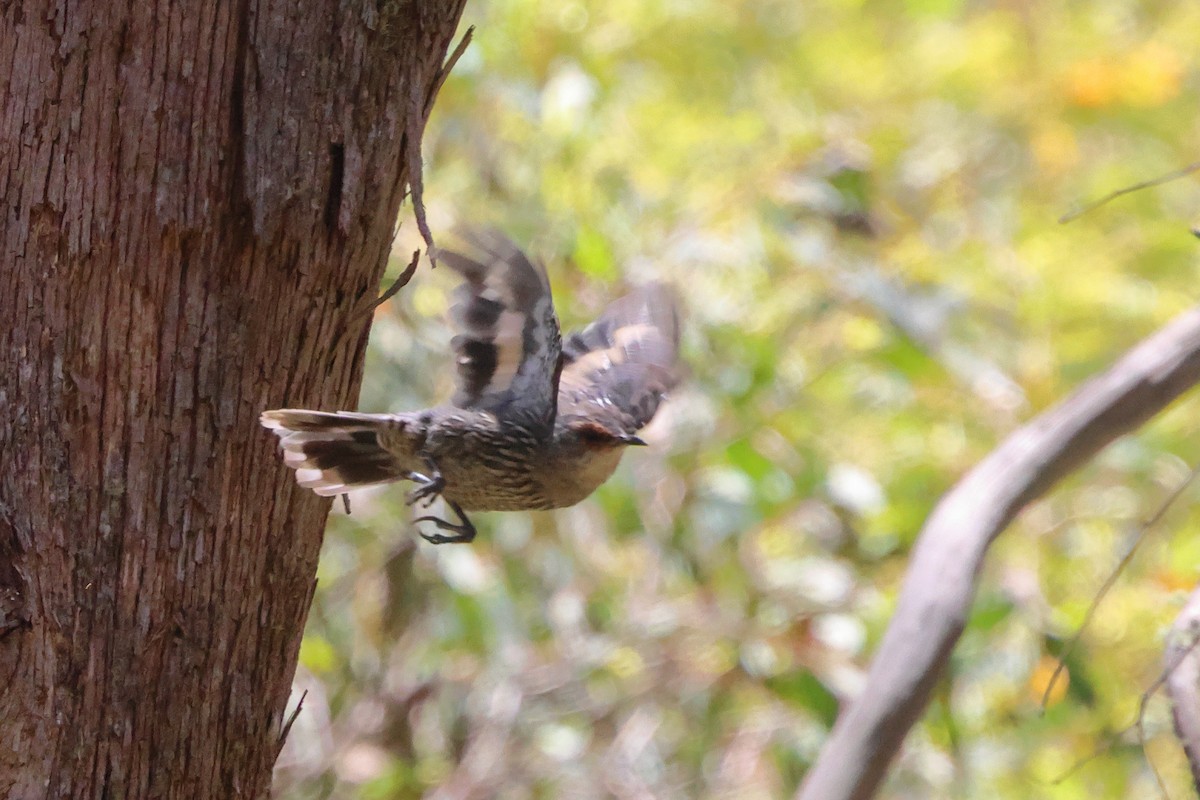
[595,435]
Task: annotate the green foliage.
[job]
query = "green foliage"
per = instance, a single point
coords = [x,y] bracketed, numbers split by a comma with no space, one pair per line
[858,202]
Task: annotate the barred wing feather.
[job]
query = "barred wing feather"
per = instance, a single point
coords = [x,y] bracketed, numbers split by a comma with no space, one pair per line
[619,368]
[507,347]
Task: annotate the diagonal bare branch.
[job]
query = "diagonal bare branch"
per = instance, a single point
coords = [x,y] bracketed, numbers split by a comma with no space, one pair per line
[941,579]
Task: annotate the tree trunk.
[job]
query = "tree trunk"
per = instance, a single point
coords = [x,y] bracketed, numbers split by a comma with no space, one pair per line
[197,197]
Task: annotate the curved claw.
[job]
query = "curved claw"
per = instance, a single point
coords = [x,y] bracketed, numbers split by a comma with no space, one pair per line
[437,538]
[464,531]
[427,491]
[424,494]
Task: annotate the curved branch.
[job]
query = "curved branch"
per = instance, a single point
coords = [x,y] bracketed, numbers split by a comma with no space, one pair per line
[940,583]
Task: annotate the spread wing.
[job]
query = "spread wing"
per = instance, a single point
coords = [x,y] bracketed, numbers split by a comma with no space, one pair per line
[507,346]
[617,370]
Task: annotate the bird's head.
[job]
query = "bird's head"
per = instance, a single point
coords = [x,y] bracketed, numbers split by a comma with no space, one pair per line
[595,436]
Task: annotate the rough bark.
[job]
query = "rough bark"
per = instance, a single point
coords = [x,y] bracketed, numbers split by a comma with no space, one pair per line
[196,199]
[941,579]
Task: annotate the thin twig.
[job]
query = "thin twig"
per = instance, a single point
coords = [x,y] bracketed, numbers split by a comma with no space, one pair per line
[392,290]
[414,130]
[1137,725]
[1140,537]
[1163,677]
[444,72]
[1092,756]
[1161,179]
[418,113]
[356,317]
[1183,679]
[287,726]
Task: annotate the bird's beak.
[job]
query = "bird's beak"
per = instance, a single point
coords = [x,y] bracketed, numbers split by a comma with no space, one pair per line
[633,440]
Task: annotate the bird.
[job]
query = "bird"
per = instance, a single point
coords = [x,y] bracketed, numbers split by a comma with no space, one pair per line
[537,421]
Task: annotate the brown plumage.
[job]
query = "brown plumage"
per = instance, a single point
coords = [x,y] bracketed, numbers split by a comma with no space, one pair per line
[536,422]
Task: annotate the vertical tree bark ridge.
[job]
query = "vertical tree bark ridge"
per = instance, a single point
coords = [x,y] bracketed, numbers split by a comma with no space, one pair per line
[940,583]
[196,196]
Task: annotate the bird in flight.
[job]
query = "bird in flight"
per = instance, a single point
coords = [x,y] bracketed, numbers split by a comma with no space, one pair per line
[536,421]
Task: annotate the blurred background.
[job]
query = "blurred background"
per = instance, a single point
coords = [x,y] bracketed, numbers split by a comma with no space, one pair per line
[859,202]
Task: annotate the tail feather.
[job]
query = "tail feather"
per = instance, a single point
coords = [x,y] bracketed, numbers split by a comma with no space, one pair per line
[326,453]
[336,453]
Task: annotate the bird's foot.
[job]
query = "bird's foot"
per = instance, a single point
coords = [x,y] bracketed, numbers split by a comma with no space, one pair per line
[464,531]
[427,490]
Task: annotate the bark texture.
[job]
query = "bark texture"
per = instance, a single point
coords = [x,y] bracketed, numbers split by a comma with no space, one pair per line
[197,197]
